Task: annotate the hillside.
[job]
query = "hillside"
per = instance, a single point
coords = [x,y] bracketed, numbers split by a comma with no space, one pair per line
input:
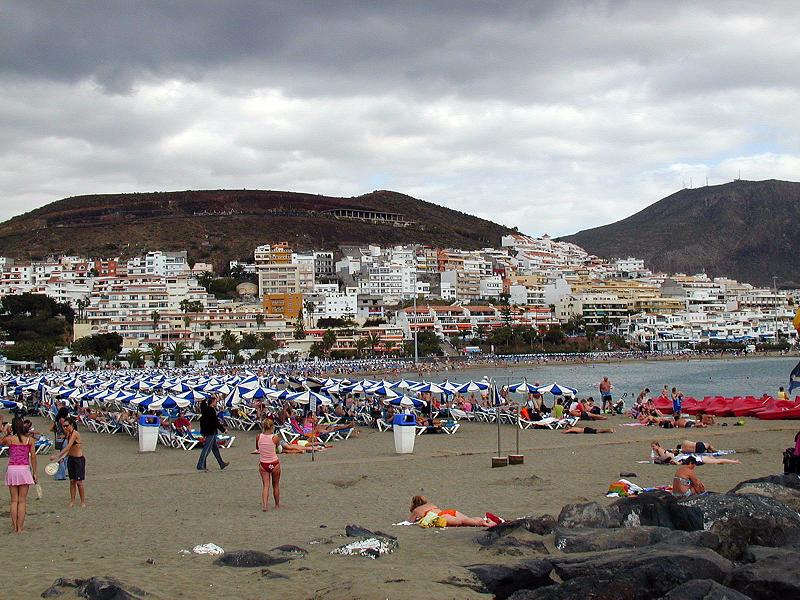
[745,229]
[217,226]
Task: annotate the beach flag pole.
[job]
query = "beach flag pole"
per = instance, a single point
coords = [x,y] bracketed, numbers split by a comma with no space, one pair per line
[497,461]
[517,459]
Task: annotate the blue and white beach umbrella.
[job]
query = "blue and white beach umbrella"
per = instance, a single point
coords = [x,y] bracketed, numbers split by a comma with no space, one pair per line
[429,387]
[557,390]
[169,402]
[407,401]
[473,386]
[307,397]
[522,388]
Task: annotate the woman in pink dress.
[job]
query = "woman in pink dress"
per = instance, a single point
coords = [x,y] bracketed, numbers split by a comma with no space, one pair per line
[21,473]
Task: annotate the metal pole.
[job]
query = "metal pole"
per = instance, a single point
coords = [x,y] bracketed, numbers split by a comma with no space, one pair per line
[416,328]
[497,413]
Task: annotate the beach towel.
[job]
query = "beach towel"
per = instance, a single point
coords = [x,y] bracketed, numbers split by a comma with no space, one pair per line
[623,487]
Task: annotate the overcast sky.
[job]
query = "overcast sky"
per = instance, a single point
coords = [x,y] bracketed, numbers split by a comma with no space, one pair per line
[553,117]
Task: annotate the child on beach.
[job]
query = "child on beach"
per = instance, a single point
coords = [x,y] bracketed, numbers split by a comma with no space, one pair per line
[21,473]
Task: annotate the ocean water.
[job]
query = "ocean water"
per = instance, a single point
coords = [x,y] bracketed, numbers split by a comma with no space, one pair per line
[698,378]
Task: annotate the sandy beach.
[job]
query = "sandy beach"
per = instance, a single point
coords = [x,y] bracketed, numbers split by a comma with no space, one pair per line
[144,509]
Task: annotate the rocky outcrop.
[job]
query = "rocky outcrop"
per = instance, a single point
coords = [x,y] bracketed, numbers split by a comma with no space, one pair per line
[252,558]
[504,580]
[783,488]
[95,588]
[704,589]
[775,575]
[593,540]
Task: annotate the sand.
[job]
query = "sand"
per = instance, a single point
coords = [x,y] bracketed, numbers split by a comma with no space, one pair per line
[144,509]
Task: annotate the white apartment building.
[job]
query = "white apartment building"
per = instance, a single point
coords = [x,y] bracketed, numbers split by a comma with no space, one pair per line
[491,287]
[160,264]
[526,295]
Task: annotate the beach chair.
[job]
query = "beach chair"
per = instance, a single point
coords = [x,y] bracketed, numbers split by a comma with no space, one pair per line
[42,445]
[383,425]
[450,427]
[184,440]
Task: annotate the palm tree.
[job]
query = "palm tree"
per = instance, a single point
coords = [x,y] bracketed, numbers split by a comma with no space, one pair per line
[373,339]
[155,317]
[361,345]
[177,351]
[308,307]
[220,355]
[208,343]
[82,304]
[259,320]
[135,358]
[156,352]
[198,355]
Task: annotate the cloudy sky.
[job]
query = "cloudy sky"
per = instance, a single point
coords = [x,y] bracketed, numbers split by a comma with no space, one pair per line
[553,117]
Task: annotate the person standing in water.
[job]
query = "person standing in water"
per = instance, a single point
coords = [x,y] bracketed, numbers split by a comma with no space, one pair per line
[21,473]
[76,461]
[605,387]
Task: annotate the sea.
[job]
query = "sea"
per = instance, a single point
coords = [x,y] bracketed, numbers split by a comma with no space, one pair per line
[697,378]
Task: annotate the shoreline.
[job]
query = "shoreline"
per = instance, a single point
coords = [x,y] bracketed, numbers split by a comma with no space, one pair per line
[504,364]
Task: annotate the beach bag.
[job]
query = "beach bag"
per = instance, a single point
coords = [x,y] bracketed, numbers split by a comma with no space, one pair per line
[791,462]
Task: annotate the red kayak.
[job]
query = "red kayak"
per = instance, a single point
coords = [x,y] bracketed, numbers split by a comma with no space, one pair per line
[719,407]
[663,405]
[746,407]
[792,412]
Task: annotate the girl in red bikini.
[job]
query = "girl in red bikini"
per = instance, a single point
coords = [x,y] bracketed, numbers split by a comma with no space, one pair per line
[269,468]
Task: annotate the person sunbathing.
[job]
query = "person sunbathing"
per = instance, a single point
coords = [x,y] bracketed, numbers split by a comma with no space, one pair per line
[686,483]
[589,430]
[310,426]
[669,457]
[690,447]
[420,506]
[581,410]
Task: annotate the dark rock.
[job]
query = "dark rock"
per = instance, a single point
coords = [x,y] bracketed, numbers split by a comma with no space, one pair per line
[737,533]
[504,580]
[250,558]
[359,531]
[518,528]
[704,589]
[628,474]
[657,509]
[95,588]
[291,550]
[631,574]
[783,488]
[722,507]
[756,553]
[702,539]
[590,514]
[775,576]
[267,574]
[511,545]
[592,540]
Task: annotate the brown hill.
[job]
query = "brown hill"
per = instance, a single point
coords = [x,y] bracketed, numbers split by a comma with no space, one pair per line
[745,229]
[228,224]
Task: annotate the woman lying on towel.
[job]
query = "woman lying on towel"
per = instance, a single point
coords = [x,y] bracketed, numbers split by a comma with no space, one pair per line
[669,457]
[420,506]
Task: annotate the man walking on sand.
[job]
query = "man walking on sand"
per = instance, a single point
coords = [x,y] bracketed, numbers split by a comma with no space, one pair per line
[209,427]
[605,394]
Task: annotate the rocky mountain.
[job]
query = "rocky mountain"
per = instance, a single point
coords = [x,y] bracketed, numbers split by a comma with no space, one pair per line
[749,230]
[220,225]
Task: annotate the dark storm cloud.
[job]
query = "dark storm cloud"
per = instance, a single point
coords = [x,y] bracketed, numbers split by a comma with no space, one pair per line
[504,109]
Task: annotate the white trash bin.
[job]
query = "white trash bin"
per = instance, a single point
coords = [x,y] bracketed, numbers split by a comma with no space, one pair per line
[404,427]
[148,433]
